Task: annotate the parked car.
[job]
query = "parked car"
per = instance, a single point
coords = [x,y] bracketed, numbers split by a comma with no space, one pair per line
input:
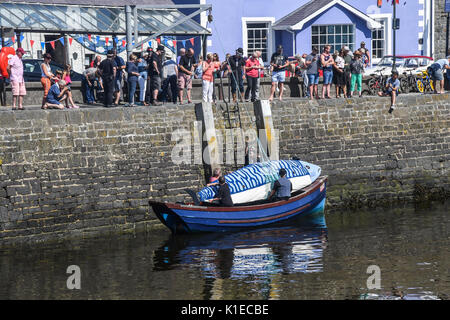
[402,62]
[32,70]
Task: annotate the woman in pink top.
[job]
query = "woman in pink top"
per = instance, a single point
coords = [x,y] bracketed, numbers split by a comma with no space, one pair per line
[66,78]
[252,68]
[209,67]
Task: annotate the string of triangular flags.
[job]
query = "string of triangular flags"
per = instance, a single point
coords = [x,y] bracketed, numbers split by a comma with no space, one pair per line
[164,40]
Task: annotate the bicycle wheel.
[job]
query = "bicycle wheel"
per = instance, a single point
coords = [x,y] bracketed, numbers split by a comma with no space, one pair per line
[372,87]
[420,86]
[404,85]
[432,85]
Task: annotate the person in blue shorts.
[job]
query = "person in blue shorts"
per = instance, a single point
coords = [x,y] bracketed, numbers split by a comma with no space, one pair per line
[436,71]
[391,89]
[312,72]
[279,62]
[327,63]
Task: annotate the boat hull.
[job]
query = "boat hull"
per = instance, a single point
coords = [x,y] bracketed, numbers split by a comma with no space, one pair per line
[183,218]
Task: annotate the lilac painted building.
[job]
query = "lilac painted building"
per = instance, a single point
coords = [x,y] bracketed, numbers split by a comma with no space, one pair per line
[300,24]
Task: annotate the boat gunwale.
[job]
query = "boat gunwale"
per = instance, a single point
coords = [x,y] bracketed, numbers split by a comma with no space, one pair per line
[307,191]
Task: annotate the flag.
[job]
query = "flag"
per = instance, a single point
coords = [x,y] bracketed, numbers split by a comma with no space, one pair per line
[192,41]
[61,40]
[107,40]
[13,39]
[174,43]
[150,44]
[80,39]
[184,43]
[89,37]
[97,39]
[379,3]
[124,43]
[70,40]
[53,44]
[165,42]
[43,46]
[31,43]
[21,38]
[158,40]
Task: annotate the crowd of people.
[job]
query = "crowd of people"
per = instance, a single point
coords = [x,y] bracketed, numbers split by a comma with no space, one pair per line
[155,72]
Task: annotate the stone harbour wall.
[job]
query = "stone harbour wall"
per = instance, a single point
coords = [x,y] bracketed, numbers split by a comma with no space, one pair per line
[79,173]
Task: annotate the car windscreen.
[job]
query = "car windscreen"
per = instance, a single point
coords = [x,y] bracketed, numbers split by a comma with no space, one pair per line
[388,61]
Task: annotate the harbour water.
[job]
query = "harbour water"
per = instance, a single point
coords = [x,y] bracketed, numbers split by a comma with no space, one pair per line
[325,256]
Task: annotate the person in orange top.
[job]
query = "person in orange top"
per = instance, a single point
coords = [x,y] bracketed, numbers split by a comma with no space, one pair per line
[46,77]
[209,67]
[252,68]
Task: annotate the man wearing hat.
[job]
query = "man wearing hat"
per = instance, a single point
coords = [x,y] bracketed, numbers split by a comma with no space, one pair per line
[15,70]
[156,70]
[107,71]
[365,54]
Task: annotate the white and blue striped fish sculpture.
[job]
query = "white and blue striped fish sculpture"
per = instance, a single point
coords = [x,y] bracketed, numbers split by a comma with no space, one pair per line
[255,181]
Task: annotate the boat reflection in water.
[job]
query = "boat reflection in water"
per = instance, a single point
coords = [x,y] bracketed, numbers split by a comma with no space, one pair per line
[261,253]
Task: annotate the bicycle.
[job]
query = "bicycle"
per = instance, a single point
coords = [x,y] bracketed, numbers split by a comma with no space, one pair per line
[424,83]
[409,82]
[377,83]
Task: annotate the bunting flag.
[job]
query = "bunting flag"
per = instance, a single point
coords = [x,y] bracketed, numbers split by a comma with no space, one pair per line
[379,3]
[184,43]
[97,38]
[116,40]
[90,37]
[106,40]
[53,44]
[174,43]
[31,43]
[150,44]
[192,41]
[165,42]
[124,43]
[158,40]
[13,39]
[43,46]
[70,41]
[61,40]
[21,38]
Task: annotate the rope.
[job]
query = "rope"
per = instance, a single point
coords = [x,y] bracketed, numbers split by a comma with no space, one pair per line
[271,172]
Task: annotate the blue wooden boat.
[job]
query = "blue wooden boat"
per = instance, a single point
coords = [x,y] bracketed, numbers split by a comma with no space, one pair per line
[191,218]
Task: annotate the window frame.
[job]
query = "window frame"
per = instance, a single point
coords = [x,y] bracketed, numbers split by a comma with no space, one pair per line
[334,34]
[270,34]
[387,17]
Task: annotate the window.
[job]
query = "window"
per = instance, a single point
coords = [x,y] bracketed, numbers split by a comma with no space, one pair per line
[258,38]
[337,36]
[379,40]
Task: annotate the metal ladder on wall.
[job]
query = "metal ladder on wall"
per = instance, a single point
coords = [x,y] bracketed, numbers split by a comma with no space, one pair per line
[232,119]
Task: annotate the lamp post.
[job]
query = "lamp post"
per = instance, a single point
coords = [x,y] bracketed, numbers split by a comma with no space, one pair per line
[394,26]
